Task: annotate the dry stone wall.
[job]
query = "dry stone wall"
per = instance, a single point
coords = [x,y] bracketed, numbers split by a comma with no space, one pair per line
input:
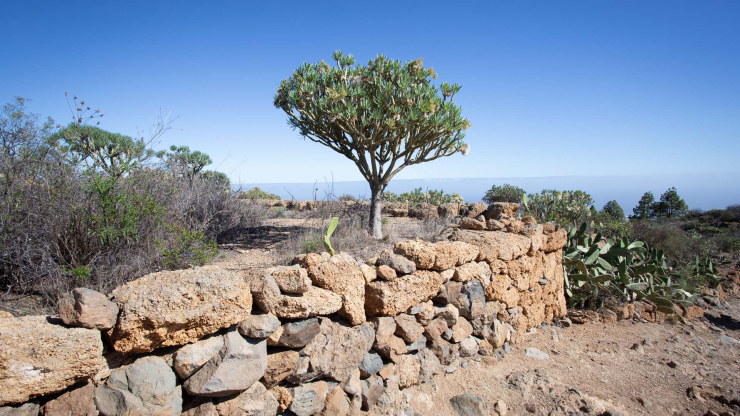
[329,335]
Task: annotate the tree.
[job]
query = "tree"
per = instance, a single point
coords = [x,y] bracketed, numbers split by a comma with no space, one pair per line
[644,208]
[505,193]
[613,209]
[383,116]
[671,205]
[187,163]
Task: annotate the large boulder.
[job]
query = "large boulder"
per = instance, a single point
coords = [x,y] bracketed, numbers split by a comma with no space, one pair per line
[178,307]
[146,387]
[239,363]
[343,276]
[39,356]
[338,350]
[494,244]
[87,308]
[389,298]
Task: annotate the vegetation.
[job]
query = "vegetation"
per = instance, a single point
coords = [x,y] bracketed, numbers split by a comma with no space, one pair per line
[329,232]
[417,196]
[383,116]
[629,270]
[504,193]
[257,193]
[670,205]
[82,206]
[565,208]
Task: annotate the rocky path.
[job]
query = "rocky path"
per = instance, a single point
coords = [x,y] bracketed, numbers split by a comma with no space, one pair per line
[632,368]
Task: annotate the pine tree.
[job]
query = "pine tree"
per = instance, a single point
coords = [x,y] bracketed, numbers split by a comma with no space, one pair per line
[644,208]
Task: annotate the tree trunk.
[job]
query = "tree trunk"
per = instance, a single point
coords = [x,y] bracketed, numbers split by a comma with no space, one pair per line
[376,206]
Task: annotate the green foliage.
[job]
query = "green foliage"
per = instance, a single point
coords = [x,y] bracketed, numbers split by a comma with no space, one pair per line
[504,193]
[644,208]
[218,179]
[191,245]
[186,163]
[566,207]
[383,116]
[329,232]
[257,193]
[279,211]
[417,196]
[81,273]
[670,205]
[613,209]
[629,270]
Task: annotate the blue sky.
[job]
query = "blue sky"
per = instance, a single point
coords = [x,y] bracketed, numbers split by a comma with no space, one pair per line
[552,88]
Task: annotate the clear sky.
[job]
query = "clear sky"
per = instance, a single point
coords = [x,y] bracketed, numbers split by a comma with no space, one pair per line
[551,87]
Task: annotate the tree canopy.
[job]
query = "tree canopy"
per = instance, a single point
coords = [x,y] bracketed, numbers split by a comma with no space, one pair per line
[383,116]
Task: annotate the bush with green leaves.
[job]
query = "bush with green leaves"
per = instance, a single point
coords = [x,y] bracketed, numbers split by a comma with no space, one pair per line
[504,193]
[418,195]
[563,207]
[257,193]
[85,207]
[632,271]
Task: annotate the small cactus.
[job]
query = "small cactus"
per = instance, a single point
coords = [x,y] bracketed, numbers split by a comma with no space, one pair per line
[329,232]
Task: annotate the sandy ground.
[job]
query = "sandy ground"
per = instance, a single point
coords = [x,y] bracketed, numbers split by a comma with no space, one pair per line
[632,367]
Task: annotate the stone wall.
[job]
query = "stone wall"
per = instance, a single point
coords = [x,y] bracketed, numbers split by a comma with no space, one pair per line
[328,335]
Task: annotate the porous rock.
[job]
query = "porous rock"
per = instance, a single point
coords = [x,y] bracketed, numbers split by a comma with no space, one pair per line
[389,298]
[343,276]
[292,279]
[39,357]
[178,307]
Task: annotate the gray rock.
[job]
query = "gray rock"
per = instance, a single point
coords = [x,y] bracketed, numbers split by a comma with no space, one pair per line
[353,386]
[190,358]
[87,308]
[309,399]
[725,339]
[472,301]
[372,388]
[148,386]
[449,313]
[468,347]
[391,392]
[371,363]
[295,334]
[235,368]
[396,262]
[258,326]
[469,405]
[535,353]
[338,350]
[417,345]
[430,365]
[26,409]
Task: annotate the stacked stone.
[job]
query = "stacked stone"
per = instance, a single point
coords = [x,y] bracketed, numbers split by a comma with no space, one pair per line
[329,334]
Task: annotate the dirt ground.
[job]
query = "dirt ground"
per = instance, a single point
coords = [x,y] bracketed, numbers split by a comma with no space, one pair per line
[634,368]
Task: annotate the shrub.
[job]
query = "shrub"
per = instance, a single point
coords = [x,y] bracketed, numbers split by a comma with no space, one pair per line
[85,207]
[257,193]
[566,207]
[504,193]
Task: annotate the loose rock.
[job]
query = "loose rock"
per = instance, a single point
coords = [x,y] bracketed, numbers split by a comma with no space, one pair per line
[87,308]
